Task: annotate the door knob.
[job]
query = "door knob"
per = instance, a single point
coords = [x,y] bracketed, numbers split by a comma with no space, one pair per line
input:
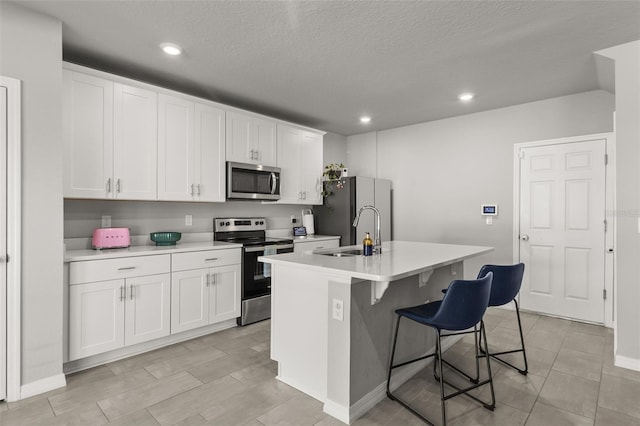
[524,237]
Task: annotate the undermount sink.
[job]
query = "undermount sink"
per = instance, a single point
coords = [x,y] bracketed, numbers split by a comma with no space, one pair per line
[343,253]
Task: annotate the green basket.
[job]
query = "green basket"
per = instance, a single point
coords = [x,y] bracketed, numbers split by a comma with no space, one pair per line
[165,238]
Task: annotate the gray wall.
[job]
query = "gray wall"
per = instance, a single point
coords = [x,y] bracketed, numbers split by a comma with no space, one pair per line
[335,148]
[81,217]
[442,171]
[31,51]
[627,81]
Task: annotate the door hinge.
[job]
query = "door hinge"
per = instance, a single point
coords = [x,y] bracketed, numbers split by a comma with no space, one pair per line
[606,159]
[604,293]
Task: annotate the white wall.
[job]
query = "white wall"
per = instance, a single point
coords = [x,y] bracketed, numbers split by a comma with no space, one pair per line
[627,82]
[31,51]
[334,148]
[442,171]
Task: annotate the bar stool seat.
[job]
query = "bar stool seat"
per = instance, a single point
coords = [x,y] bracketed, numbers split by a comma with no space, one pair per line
[462,307]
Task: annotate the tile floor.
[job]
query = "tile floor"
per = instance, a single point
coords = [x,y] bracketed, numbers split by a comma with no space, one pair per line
[227,378]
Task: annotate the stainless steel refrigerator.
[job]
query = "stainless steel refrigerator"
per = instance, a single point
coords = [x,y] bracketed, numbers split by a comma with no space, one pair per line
[335,216]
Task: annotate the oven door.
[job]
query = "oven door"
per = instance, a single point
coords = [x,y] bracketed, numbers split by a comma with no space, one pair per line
[256,276]
[252,182]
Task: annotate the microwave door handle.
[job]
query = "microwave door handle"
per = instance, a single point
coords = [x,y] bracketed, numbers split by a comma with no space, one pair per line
[274,181]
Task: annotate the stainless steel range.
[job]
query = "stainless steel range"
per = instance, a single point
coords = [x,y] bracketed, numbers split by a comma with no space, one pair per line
[256,276]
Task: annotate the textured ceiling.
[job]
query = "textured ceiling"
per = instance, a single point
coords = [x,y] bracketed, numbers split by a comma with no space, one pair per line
[326,63]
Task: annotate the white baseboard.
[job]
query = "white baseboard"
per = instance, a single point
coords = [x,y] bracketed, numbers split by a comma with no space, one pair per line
[626,362]
[359,408]
[42,386]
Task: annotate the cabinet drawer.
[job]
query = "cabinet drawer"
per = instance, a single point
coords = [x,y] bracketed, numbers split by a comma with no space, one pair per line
[309,246]
[111,269]
[205,259]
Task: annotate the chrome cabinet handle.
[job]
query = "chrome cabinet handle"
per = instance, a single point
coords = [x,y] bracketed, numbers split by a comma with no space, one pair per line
[121,293]
[131,292]
[118,185]
[213,279]
[524,237]
[207,280]
[108,185]
[251,155]
[191,189]
[128,268]
[198,186]
[211,259]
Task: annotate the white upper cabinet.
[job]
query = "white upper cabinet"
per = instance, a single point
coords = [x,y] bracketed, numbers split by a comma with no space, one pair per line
[209,160]
[300,159]
[88,135]
[135,143]
[110,139]
[191,151]
[251,139]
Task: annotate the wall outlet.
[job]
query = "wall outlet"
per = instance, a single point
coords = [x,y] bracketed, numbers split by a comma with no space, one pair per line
[338,309]
[106,222]
[293,218]
[188,220]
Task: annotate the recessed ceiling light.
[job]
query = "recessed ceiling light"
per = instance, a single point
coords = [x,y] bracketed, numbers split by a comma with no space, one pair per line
[466,97]
[365,120]
[171,49]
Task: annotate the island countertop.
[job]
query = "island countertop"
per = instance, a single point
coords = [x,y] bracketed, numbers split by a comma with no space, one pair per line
[399,259]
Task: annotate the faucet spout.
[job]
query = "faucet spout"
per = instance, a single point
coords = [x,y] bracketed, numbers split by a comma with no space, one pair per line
[377,246]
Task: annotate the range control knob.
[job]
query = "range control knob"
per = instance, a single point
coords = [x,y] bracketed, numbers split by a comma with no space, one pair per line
[257,222]
[227,223]
[221,223]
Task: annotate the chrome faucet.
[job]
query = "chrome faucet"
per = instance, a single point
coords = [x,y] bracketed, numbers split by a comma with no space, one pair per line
[377,245]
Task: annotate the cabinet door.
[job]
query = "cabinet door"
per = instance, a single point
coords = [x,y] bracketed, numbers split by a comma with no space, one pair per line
[264,141]
[288,161]
[135,145]
[189,300]
[239,142]
[147,308]
[87,135]
[224,293]
[176,149]
[96,318]
[209,160]
[311,168]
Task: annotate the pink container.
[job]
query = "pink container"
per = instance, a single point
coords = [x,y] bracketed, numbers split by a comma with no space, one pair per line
[104,238]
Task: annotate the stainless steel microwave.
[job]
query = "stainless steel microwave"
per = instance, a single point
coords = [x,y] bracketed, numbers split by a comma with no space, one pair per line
[252,182]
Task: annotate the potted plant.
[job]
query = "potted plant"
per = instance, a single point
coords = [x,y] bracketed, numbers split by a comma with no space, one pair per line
[331,175]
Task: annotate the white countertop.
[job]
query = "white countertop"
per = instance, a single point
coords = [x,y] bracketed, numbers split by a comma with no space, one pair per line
[311,238]
[399,259]
[145,250]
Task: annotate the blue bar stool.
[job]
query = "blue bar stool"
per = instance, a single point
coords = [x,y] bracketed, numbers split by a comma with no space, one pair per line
[507,280]
[462,307]
[505,286]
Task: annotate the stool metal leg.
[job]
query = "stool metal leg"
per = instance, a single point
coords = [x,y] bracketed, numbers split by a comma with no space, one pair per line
[442,396]
[456,369]
[496,355]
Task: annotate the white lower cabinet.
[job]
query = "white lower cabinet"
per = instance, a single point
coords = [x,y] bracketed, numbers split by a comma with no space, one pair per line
[309,246]
[205,295]
[107,315]
[123,309]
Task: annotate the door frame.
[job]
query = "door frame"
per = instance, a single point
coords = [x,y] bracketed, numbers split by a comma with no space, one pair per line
[610,185]
[14,278]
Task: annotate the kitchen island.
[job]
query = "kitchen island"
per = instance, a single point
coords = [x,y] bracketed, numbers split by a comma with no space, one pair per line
[332,317]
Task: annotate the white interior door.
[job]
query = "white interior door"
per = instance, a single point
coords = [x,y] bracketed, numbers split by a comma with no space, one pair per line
[3,242]
[562,229]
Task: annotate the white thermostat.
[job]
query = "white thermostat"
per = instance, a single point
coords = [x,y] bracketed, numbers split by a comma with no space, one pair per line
[489,210]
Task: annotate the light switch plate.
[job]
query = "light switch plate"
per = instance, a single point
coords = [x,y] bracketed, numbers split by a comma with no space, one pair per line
[188,220]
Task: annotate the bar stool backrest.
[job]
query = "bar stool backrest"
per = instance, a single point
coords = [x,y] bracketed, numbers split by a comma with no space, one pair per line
[506,283]
[463,304]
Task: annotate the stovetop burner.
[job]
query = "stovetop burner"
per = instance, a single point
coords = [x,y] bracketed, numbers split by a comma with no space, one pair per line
[245,231]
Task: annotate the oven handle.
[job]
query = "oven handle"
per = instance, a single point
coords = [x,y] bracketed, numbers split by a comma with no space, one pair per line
[261,248]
